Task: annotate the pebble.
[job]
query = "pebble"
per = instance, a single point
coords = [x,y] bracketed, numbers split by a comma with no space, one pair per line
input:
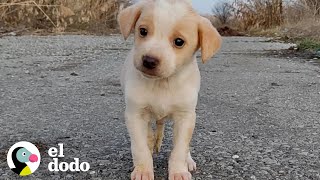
[253,177]
[69,176]
[86,145]
[56,177]
[235,157]
[92,172]
[229,167]
[269,161]
[74,74]
[304,153]
[104,162]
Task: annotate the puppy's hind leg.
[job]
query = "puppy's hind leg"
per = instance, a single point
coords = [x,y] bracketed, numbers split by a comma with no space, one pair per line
[159,135]
[151,137]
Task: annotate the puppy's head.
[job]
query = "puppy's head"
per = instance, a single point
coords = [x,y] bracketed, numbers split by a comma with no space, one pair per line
[167,33]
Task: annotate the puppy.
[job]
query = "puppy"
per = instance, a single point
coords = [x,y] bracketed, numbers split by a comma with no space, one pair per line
[161,79]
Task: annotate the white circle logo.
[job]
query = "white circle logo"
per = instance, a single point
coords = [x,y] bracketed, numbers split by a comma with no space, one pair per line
[23,158]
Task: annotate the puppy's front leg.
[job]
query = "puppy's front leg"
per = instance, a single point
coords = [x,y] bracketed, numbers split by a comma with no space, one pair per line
[184,123]
[137,124]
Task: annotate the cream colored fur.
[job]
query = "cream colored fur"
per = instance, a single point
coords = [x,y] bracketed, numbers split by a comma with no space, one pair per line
[171,90]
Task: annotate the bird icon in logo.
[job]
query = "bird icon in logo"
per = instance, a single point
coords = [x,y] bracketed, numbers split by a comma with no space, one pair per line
[20,156]
[23,158]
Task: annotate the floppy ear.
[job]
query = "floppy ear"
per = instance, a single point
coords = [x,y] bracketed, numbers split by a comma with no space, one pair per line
[209,39]
[127,19]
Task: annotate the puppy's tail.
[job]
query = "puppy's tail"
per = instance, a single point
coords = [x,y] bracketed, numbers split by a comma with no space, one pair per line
[159,135]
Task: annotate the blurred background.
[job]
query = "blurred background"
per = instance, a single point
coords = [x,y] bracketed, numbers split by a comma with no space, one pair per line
[291,20]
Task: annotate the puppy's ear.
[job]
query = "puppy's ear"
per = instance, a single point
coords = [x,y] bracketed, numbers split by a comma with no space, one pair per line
[127,19]
[209,39]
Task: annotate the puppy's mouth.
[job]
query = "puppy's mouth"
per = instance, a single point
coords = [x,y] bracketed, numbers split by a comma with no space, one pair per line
[149,73]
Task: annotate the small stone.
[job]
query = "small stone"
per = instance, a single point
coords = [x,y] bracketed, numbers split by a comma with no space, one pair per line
[74,74]
[235,157]
[304,153]
[27,72]
[269,161]
[55,177]
[253,177]
[103,162]
[92,172]
[301,126]
[274,84]
[229,167]
[69,176]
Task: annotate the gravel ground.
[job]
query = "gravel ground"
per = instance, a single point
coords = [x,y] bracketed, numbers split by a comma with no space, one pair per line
[258,116]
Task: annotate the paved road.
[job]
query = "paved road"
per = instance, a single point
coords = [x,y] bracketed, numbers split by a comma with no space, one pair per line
[258,116]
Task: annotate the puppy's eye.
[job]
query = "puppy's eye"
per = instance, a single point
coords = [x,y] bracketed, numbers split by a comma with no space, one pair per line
[179,43]
[143,32]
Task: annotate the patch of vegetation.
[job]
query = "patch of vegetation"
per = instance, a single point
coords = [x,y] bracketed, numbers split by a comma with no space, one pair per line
[309,44]
[97,16]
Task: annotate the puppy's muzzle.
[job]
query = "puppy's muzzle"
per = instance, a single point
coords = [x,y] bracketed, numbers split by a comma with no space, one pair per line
[149,62]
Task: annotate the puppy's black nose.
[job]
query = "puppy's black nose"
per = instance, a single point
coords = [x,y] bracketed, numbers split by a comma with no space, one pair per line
[150,62]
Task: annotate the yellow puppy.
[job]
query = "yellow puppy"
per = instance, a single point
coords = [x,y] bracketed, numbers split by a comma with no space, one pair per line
[161,79]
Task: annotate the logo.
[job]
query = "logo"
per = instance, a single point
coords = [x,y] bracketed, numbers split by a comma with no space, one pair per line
[55,165]
[23,158]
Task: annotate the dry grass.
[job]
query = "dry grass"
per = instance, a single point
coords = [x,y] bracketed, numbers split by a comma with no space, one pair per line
[306,28]
[258,14]
[294,20]
[61,15]
[302,20]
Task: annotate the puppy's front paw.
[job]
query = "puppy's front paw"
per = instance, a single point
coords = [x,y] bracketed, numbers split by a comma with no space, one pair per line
[180,176]
[140,173]
[192,166]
